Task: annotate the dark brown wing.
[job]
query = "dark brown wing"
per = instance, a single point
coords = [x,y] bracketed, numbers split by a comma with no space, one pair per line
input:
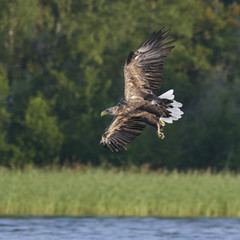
[121,132]
[143,68]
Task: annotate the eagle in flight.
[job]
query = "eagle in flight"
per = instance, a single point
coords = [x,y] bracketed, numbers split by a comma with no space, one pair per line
[140,106]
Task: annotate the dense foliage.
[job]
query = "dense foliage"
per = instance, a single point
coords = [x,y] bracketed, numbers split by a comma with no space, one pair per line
[60,65]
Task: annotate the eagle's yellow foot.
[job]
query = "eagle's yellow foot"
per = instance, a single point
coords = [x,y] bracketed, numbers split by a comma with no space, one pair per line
[160,134]
[161,122]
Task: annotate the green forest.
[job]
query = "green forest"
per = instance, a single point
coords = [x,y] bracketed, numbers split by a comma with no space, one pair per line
[61,65]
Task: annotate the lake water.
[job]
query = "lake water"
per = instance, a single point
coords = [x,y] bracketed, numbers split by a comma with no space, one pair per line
[110,228]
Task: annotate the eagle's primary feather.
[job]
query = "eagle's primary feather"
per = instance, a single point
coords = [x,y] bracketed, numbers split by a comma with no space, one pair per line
[143,74]
[122,131]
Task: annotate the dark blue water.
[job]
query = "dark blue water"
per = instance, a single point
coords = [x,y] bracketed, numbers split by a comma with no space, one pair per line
[109,228]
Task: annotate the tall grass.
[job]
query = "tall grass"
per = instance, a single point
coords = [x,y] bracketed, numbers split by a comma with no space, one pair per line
[101,192]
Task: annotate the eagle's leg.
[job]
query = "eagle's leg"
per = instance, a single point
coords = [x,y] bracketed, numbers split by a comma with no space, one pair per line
[151,120]
[161,122]
[159,133]
[155,110]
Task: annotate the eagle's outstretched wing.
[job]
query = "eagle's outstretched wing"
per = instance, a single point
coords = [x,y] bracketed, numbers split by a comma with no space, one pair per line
[121,132]
[143,68]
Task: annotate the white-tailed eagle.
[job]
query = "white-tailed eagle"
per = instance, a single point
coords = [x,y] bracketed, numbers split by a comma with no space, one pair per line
[139,106]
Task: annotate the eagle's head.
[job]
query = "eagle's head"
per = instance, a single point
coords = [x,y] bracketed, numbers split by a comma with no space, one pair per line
[109,111]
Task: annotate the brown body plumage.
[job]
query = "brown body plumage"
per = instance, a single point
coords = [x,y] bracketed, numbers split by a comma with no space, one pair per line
[140,106]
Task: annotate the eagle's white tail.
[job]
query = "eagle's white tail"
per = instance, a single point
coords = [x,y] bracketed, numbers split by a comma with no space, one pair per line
[173,107]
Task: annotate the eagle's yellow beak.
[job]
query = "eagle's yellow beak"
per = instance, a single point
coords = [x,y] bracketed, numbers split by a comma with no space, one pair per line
[103,113]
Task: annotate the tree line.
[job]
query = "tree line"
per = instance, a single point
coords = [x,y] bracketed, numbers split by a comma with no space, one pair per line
[61,65]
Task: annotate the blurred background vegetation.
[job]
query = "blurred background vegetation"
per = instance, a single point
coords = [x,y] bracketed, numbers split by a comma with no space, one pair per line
[61,65]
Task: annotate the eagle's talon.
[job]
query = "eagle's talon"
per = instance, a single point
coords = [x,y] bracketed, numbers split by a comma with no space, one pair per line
[160,135]
[161,122]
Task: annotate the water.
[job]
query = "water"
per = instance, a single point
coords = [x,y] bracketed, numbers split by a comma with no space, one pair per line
[109,228]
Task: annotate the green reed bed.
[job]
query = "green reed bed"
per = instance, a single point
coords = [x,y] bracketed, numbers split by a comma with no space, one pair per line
[100,192]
